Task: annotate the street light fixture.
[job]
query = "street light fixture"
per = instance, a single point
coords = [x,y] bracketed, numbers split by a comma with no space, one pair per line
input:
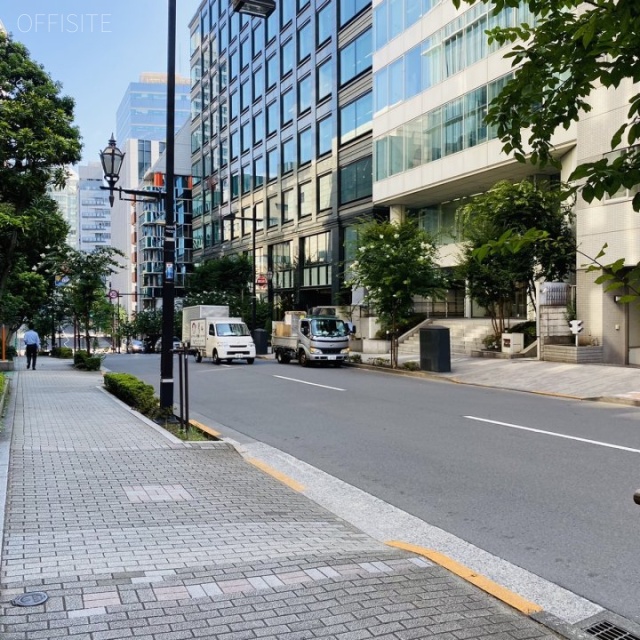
[112,163]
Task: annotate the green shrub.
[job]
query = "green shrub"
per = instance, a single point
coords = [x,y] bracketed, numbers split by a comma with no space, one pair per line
[62,352]
[411,366]
[86,362]
[11,351]
[491,342]
[2,382]
[355,357]
[134,392]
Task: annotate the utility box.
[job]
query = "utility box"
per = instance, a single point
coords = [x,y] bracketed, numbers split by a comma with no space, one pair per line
[512,342]
[435,349]
[260,340]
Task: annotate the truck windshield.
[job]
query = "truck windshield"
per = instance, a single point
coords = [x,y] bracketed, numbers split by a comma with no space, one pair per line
[329,327]
[231,329]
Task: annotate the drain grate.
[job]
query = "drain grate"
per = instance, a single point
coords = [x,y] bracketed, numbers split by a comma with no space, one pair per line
[607,631]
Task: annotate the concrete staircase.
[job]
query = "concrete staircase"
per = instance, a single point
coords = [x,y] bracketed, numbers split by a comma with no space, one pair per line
[465,334]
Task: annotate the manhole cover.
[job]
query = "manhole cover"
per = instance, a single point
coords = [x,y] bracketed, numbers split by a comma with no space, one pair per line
[32,599]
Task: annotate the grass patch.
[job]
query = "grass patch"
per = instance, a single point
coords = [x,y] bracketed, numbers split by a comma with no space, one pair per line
[193,435]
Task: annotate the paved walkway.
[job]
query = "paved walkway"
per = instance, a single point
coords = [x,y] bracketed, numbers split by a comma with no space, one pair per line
[134,534]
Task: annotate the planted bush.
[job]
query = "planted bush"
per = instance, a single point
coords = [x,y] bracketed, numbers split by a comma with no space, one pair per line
[10,352]
[86,362]
[62,352]
[134,392]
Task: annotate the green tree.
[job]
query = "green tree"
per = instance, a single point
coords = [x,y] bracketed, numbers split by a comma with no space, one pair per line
[223,281]
[395,262]
[494,264]
[37,139]
[572,47]
[88,273]
[148,322]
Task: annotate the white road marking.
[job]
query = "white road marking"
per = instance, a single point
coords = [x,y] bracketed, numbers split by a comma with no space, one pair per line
[313,384]
[557,435]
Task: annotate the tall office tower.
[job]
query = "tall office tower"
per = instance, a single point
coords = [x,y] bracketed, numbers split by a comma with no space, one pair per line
[281,138]
[150,221]
[94,214]
[141,134]
[142,114]
[434,77]
[68,204]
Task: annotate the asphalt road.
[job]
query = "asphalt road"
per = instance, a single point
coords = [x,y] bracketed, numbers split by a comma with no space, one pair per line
[541,482]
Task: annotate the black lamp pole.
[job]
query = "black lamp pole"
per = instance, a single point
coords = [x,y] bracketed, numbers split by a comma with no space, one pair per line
[168,289]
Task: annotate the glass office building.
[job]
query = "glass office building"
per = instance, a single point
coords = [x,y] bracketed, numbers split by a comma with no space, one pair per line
[281,141]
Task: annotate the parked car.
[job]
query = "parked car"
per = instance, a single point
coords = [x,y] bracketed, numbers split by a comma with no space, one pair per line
[135,346]
[177,344]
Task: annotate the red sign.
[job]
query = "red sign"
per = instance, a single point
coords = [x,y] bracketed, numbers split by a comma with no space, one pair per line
[261,280]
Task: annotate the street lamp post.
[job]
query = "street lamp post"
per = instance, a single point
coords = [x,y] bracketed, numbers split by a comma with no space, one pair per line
[112,163]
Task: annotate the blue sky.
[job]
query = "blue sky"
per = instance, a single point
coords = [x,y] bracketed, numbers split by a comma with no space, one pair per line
[96,48]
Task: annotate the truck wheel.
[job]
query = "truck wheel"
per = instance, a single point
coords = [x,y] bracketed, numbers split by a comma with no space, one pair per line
[198,357]
[215,357]
[282,358]
[303,359]
[250,360]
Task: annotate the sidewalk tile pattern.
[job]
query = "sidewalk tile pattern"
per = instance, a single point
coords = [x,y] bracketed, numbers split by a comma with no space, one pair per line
[133,536]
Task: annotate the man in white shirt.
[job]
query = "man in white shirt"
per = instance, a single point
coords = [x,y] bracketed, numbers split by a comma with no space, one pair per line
[32,344]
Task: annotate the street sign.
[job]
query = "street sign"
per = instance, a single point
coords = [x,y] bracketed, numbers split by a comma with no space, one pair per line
[261,280]
[113,294]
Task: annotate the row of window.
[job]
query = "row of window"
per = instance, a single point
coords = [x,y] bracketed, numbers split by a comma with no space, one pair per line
[450,50]
[452,127]
[392,17]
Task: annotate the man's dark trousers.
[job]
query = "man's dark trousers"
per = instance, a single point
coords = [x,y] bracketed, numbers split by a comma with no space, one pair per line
[32,355]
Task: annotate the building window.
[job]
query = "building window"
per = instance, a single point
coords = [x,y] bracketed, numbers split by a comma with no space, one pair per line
[356,181]
[258,172]
[325,135]
[288,206]
[245,52]
[304,42]
[272,71]
[245,93]
[317,260]
[235,184]
[246,136]
[325,25]
[258,128]
[305,200]
[304,94]
[288,106]
[258,83]
[305,146]
[356,57]
[272,164]
[273,215]
[325,79]
[272,118]
[288,155]
[196,173]
[348,9]
[258,37]
[286,57]
[356,118]
[246,179]
[258,212]
[282,262]
[325,188]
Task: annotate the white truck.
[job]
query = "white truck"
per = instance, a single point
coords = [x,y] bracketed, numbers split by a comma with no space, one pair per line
[208,331]
[309,339]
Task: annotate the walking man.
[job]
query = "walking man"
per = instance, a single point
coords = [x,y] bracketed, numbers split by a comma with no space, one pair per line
[32,344]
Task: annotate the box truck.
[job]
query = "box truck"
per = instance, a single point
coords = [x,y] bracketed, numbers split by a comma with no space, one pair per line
[309,339]
[208,331]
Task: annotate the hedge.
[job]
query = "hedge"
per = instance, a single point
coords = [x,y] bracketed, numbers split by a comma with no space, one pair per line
[134,392]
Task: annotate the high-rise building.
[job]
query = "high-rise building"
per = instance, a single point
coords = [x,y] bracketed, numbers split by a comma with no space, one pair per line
[94,214]
[434,76]
[142,113]
[141,134]
[68,204]
[281,139]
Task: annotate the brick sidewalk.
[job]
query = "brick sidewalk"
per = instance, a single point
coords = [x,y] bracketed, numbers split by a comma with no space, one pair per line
[133,534]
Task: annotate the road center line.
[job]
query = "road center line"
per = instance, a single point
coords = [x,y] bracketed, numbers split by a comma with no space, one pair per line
[313,384]
[557,435]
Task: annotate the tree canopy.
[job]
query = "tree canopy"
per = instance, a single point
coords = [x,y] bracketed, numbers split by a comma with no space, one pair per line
[37,140]
[573,47]
[500,250]
[395,262]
